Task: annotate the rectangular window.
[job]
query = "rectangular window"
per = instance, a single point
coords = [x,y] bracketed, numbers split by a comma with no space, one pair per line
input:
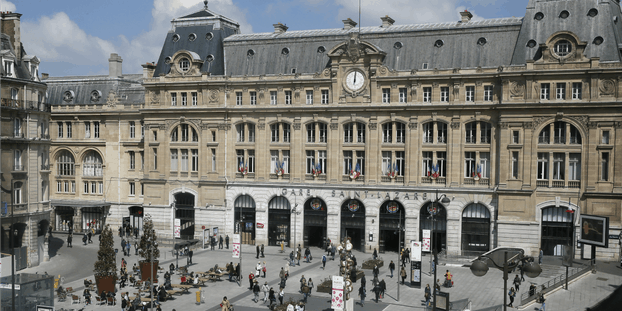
[214,136]
[132,160]
[387,133]
[559,166]
[604,166]
[95,129]
[360,161]
[488,93]
[426,165]
[184,160]
[251,161]
[470,93]
[311,133]
[142,130]
[288,97]
[387,163]
[469,164]
[403,95]
[559,134]
[274,131]
[427,94]
[73,188]
[213,160]
[515,137]
[360,132]
[274,160]
[399,162]
[605,138]
[484,131]
[321,160]
[184,132]
[60,129]
[132,189]
[577,90]
[543,166]
[347,133]
[484,164]
[574,166]
[132,129]
[444,93]
[174,160]
[86,187]
[400,133]
[17,160]
[184,99]
[560,91]
[441,162]
[251,132]
[309,97]
[545,91]
[272,97]
[322,132]
[347,162]
[17,127]
[310,161]
[173,99]
[253,98]
[69,130]
[93,187]
[470,129]
[195,160]
[142,189]
[195,99]
[142,160]
[441,135]
[324,97]
[286,132]
[155,158]
[238,98]
[386,96]
[285,161]
[87,130]
[59,186]
[428,132]
[515,165]
[155,135]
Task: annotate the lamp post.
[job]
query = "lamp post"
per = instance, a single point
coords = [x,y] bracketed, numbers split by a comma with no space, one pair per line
[479,267]
[433,209]
[399,247]
[295,212]
[240,240]
[12,246]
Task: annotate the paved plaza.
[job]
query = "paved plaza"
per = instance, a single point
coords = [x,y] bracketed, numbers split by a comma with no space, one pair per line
[485,293]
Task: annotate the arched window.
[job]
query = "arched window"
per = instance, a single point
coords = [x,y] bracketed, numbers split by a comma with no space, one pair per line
[245,132]
[92,166]
[431,129]
[476,228]
[183,131]
[317,129]
[354,132]
[394,132]
[65,164]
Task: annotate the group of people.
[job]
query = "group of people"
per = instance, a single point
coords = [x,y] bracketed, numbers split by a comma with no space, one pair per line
[378,287]
[127,231]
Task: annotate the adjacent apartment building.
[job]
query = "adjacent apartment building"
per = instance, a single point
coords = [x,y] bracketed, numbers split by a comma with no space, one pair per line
[489,133]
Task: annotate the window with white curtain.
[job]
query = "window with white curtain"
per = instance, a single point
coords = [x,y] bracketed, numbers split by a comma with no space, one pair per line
[92,165]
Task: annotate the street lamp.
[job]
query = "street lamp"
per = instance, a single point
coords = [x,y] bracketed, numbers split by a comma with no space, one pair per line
[399,248]
[295,212]
[433,209]
[479,267]
[11,245]
[151,244]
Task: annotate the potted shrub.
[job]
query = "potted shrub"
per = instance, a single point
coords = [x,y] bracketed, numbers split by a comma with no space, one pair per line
[148,250]
[105,268]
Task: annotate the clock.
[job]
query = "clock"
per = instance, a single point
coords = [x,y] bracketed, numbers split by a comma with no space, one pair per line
[355,80]
[349,246]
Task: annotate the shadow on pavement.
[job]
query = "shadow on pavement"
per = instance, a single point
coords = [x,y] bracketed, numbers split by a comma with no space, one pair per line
[54,245]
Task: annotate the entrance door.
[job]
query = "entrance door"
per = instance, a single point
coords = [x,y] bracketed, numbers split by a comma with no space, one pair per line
[475,230]
[64,218]
[392,219]
[434,219]
[556,230]
[93,218]
[279,219]
[244,217]
[315,223]
[353,223]
[136,217]
[184,210]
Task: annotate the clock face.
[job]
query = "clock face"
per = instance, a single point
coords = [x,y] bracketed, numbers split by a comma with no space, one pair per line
[355,80]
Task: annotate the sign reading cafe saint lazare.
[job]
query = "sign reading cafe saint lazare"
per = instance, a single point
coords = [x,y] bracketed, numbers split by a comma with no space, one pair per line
[360,194]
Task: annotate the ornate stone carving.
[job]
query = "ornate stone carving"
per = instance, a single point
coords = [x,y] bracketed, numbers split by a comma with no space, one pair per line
[456,90]
[112,99]
[617,125]
[607,87]
[528,125]
[583,120]
[334,126]
[393,85]
[224,126]
[213,96]
[504,125]
[353,48]
[592,125]
[455,125]
[96,96]
[413,72]
[154,97]
[413,89]
[326,72]
[261,126]
[517,88]
[296,126]
[539,120]
[162,127]
[317,75]
[383,71]
[413,125]
[373,125]
[316,88]
[280,89]
[262,90]
[435,84]
[204,126]
[479,69]
[478,83]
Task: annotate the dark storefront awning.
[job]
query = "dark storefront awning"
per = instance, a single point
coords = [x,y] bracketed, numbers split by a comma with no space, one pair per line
[79,203]
[185,243]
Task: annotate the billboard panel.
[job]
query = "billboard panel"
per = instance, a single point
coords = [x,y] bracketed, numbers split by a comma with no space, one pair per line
[594,230]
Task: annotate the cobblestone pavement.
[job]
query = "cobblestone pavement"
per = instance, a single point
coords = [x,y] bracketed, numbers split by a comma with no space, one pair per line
[75,264]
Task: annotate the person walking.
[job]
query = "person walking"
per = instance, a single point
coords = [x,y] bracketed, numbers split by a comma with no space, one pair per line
[308,254]
[227,241]
[281,294]
[251,277]
[383,288]
[324,262]
[257,247]
[542,301]
[213,243]
[123,246]
[90,236]
[362,294]
[298,256]
[220,242]
[84,239]
[403,275]
[522,271]
[256,290]
[262,255]
[540,255]
[363,281]
[303,282]
[517,283]
[427,295]
[128,248]
[258,270]
[69,239]
[376,271]
[511,294]
[292,261]
[282,273]
[190,253]
[264,269]
[310,286]
[265,289]
[391,267]
[305,293]
[271,296]
[375,254]
[224,304]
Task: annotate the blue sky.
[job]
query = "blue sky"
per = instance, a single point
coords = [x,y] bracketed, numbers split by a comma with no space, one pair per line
[76,37]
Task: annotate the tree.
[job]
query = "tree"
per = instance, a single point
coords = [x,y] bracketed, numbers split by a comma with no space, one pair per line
[106,264]
[148,248]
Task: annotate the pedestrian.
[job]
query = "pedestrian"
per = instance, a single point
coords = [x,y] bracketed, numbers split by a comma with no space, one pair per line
[303,282]
[542,301]
[135,248]
[408,255]
[376,291]
[383,287]
[307,254]
[271,296]
[511,294]
[540,255]
[281,294]
[90,236]
[262,255]
[123,247]
[310,285]
[363,281]
[403,275]
[522,271]
[251,277]
[376,271]
[305,293]
[362,294]
[220,242]
[136,232]
[517,283]
[427,295]
[258,270]
[256,291]
[282,273]
[265,289]
[227,241]
[298,256]
[120,232]
[84,239]
[212,243]
[69,238]
[375,254]
[291,259]
[333,249]
[263,269]
[437,286]
[283,283]
[391,268]
[224,304]
[324,262]
[190,253]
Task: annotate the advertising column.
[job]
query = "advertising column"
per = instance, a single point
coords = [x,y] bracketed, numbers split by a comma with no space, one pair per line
[415,264]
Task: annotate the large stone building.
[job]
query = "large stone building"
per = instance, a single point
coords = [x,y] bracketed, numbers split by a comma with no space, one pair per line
[303,136]
[24,135]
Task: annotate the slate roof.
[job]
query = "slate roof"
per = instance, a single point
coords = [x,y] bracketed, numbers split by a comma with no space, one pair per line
[22,71]
[127,89]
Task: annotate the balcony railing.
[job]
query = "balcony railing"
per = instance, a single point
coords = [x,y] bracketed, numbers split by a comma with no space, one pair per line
[542,183]
[544,140]
[470,140]
[574,184]
[18,135]
[25,104]
[11,103]
[574,140]
[426,180]
[428,139]
[559,139]
[441,139]
[485,140]
[558,184]
[441,180]
[44,136]
[469,181]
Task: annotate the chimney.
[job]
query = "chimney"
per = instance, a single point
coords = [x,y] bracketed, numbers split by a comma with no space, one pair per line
[45,76]
[11,27]
[348,24]
[387,21]
[466,16]
[148,70]
[279,28]
[114,65]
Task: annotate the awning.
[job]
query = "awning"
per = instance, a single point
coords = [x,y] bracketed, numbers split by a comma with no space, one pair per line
[79,203]
[185,243]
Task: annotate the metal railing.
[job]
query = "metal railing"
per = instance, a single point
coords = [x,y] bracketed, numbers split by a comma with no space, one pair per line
[559,139]
[544,140]
[559,184]
[554,283]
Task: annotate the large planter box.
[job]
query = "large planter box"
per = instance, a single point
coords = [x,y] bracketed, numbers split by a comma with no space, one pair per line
[370,263]
[146,269]
[107,283]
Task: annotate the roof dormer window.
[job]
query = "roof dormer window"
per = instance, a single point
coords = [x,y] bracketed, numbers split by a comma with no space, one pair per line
[598,40]
[209,58]
[321,50]
[184,64]
[209,36]
[531,43]
[175,38]
[564,14]
[192,37]
[563,48]
[8,68]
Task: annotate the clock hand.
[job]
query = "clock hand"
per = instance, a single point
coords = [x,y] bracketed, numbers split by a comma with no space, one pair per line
[355,74]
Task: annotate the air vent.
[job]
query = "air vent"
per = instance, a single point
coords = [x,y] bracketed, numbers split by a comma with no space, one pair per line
[531,43]
[438,43]
[539,16]
[482,41]
[398,45]
[564,14]
[285,51]
[192,37]
[209,58]
[167,60]
[598,40]
[250,53]
[321,50]
[209,36]
[175,38]
[592,12]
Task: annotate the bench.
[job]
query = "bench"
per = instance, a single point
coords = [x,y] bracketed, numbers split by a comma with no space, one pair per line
[111,301]
[75,299]
[99,301]
[69,290]
[138,284]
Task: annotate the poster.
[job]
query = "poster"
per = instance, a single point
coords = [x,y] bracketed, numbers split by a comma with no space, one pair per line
[177,228]
[415,251]
[425,246]
[337,298]
[205,237]
[236,246]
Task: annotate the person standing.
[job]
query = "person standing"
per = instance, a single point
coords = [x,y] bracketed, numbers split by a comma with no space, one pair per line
[427,295]
[511,294]
[251,276]
[264,269]
[363,280]
[256,291]
[136,247]
[308,254]
[227,241]
[403,275]
[298,255]
[542,301]
[220,242]
[383,287]
[281,294]
[303,282]
[123,247]
[213,243]
[391,267]
[376,291]
[310,285]
[128,247]
[271,296]
[90,236]
[262,255]
[324,262]
[190,253]
[265,288]
[540,255]
[224,305]
[291,259]
[257,248]
[376,271]
[375,254]
[362,294]
[517,283]
[69,239]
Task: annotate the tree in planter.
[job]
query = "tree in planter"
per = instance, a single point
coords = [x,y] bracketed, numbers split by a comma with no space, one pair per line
[148,249]
[105,268]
